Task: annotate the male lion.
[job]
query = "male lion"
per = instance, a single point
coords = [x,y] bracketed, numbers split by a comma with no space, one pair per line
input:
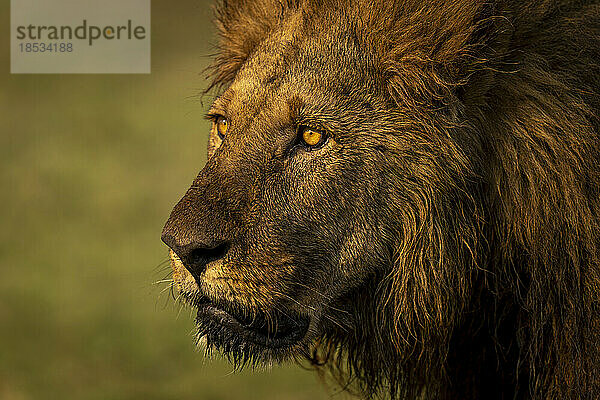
[405,193]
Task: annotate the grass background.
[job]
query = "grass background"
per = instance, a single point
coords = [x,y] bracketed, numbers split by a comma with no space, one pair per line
[90,166]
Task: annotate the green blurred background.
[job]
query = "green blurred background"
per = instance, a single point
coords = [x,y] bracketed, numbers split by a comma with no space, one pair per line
[90,166]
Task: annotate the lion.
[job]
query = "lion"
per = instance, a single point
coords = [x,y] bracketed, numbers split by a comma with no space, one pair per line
[405,195]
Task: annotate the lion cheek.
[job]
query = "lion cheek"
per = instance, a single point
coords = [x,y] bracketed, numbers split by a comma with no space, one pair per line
[238,285]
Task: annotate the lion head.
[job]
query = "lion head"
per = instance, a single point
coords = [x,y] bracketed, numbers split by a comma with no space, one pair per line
[397,194]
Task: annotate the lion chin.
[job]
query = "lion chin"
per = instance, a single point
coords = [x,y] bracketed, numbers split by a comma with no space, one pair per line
[243,337]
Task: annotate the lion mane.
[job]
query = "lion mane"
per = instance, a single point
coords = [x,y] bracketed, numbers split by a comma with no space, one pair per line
[495,279]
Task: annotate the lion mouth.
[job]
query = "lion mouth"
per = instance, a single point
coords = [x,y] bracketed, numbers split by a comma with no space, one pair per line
[227,328]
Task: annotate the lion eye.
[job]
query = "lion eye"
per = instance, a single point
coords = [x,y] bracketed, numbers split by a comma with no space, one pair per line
[312,137]
[222,126]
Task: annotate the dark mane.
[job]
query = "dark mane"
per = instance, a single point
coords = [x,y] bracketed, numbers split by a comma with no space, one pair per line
[496,276]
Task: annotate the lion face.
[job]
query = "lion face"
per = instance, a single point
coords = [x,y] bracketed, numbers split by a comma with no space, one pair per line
[289,215]
[336,200]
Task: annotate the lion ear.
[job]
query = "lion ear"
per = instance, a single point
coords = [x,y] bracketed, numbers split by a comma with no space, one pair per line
[242,25]
[451,43]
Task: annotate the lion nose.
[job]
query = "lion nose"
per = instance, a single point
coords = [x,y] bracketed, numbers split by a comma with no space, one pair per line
[195,256]
[202,225]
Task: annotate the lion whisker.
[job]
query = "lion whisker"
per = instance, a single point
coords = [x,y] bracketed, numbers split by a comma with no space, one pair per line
[163,281]
[330,318]
[330,298]
[162,266]
[169,287]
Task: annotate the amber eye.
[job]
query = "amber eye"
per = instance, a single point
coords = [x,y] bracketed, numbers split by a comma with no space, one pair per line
[222,126]
[312,137]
